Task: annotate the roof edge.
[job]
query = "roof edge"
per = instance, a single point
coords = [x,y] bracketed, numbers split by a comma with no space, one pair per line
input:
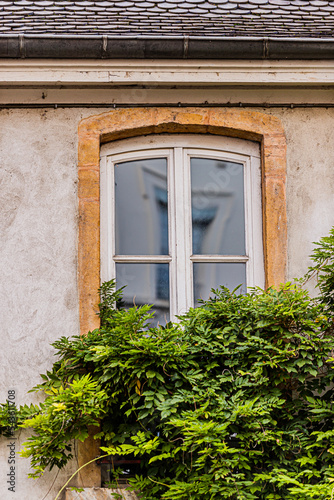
[105,47]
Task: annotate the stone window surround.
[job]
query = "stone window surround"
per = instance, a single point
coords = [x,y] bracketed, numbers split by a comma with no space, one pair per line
[132,122]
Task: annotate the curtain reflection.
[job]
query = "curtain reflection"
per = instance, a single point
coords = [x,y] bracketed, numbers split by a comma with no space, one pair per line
[139,229]
[141,206]
[209,275]
[217,201]
[141,217]
[143,282]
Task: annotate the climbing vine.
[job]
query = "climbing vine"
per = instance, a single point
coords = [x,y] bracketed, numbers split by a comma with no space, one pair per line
[234,401]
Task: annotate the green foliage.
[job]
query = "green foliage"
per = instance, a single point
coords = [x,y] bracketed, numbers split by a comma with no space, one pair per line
[9,417]
[229,400]
[233,402]
[69,408]
[323,257]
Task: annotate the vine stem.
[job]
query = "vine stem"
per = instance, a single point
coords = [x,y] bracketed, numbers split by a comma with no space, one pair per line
[78,470]
[157,482]
[53,482]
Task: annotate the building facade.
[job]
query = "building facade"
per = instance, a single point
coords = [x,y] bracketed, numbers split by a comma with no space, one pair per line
[172,146]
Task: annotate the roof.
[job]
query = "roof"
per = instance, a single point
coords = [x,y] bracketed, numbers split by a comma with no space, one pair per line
[167,29]
[165,18]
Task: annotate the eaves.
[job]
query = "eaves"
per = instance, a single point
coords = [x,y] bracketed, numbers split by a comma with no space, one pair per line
[23,46]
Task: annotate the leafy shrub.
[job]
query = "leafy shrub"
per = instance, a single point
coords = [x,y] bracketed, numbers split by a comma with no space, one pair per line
[323,269]
[235,401]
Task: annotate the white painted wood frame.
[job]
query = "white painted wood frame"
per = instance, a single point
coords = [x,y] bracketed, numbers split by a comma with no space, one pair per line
[178,150]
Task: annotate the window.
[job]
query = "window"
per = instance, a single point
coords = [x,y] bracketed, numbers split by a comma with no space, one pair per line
[180,214]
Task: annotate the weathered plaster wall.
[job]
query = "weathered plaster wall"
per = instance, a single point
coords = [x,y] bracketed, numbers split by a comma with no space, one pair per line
[38,293]
[310,182]
[38,228]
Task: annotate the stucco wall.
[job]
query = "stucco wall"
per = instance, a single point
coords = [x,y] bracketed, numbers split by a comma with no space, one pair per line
[38,227]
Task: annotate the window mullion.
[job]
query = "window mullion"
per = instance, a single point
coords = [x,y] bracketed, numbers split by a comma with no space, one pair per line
[182,231]
[254,225]
[112,222]
[107,219]
[172,237]
[248,223]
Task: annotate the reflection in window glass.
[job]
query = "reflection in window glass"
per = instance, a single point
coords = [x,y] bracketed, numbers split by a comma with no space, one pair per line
[140,190]
[217,203]
[163,271]
[145,284]
[209,275]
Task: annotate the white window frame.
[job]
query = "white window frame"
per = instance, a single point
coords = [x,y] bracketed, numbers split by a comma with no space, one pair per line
[178,149]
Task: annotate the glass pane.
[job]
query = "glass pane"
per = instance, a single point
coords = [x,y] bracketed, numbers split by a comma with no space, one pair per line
[217,203]
[141,207]
[209,275]
[146,284]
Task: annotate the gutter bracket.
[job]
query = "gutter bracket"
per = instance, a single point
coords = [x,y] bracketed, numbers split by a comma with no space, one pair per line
[22,47]
[104,46]
[265,54]
[185,46]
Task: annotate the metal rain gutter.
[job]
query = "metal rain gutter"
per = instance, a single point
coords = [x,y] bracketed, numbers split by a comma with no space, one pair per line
[105,47]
